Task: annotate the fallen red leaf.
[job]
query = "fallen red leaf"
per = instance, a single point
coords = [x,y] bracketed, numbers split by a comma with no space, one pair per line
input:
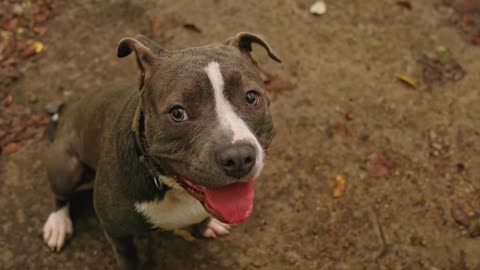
[17,122]
[18,134]
[7,138]
[11,148]
[38,120]
[382,165]
[28,133]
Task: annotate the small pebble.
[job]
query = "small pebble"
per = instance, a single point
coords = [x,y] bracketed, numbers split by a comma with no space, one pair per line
[459,215]
[318,8]
[67,93]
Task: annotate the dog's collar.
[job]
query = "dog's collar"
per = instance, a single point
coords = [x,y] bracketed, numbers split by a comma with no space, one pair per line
[153,168]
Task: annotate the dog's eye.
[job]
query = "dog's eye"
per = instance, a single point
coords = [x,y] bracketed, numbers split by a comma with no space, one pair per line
[178,114]
[253,98]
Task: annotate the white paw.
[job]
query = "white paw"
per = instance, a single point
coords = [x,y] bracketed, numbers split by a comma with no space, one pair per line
[216,228]
[57,228]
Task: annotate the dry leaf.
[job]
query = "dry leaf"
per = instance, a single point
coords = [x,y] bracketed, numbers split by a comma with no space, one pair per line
[441,67]
[33,49]
[11,148]
[467,19]
[339,187]
[38,120]
[20,31]
[38,46]
[186,235]
[407,80]
[27,133]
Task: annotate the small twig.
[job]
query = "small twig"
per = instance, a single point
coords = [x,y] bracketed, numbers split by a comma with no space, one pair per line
[378,229]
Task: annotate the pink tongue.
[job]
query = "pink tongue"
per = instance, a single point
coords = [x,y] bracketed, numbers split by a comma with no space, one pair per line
[233,203]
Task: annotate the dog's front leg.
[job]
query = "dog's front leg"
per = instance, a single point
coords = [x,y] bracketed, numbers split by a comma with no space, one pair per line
[125,251]
[211,228]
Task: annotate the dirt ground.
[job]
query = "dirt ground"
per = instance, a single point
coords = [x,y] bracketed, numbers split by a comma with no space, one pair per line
[346,111]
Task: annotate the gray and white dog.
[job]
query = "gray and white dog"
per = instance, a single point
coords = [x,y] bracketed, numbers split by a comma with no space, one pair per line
[185,149]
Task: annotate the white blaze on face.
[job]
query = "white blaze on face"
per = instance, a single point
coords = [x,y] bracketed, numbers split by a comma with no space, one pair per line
[227,117]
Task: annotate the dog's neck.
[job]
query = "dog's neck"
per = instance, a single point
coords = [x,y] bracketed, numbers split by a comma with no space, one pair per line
[138,127]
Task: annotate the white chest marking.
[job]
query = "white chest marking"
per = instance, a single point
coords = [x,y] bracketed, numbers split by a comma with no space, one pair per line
[177,209]
[227,117]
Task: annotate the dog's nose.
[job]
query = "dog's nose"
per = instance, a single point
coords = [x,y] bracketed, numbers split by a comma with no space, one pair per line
[236,160]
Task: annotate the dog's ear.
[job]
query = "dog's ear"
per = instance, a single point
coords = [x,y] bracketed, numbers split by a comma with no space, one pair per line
[243,41]
[152,45]
[146,51]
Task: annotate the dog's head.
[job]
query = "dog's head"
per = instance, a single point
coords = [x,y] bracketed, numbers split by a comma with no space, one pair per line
[206,118]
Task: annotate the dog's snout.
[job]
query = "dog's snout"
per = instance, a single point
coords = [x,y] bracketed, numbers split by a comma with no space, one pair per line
[236,160]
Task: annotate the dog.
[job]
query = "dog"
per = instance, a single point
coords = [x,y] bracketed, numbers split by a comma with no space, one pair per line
[183,149]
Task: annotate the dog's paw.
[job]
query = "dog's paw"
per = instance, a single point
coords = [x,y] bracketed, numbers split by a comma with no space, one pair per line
[215,228]
[57,229]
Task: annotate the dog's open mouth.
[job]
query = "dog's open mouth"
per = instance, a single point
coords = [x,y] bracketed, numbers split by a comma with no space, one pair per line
[232,203]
